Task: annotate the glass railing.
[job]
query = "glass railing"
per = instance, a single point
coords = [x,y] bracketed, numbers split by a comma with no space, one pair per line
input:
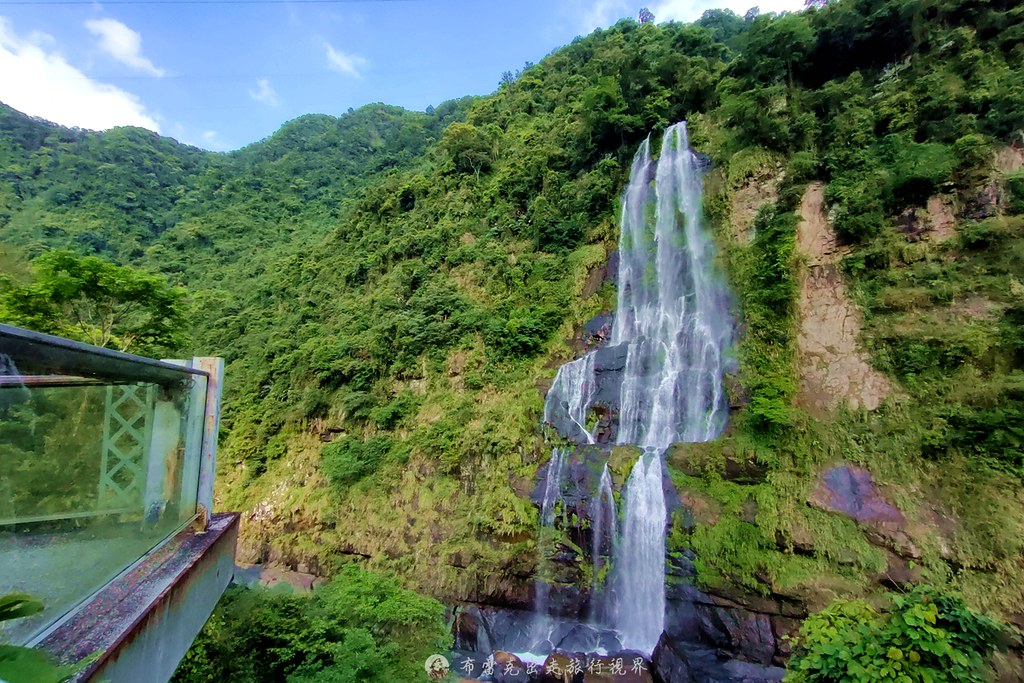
[99,463]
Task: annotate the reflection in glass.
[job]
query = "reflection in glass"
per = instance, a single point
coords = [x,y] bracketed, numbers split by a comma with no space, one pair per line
[95,471]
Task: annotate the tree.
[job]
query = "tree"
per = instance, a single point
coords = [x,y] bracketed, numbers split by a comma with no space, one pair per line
[646,16]
[92,300]
[467,148]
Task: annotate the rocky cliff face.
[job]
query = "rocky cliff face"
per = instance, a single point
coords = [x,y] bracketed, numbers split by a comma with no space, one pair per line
[834,369]
[755,544]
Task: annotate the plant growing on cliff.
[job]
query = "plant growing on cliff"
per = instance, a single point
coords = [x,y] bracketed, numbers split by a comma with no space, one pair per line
[926,637]
[362,627]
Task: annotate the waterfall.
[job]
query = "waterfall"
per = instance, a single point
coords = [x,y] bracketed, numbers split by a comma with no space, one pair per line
[672,312]
[540,630]
[673,319]
[553,486]
[640,560]
[602,520]
[569,399]
[674,315]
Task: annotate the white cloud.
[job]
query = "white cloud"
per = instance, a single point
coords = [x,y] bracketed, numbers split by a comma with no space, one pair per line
[265,93]
[204,139]
[212,141]
[690,10]
[36,79]
[604,13]
[123,44]
[344,63]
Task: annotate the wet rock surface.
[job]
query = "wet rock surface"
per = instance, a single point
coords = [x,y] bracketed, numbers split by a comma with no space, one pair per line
[708,639]
[851,491]
[687,662]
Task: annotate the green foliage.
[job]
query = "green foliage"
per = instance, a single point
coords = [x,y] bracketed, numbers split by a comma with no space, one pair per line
[92,300]
[466,148]
[1015,188]
[24,664]
[18,605]
[361,626]
[767,269]
[926,636]
[349,459]
[407,279]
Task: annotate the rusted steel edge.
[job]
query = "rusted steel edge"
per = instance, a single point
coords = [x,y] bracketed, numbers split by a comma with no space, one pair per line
[100,628]
[213,367]
[46,349]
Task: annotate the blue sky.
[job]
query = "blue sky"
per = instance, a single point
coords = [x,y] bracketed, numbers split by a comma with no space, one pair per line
[221,75]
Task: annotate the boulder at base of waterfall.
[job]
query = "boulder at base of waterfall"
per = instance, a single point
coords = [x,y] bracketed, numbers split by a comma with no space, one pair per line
[469,665]
[620,667]
[675,661]
[586,638]
[469,629]
[508,668]
[745,672]
[563,667]
[746,634]
[509,629]
[669,663]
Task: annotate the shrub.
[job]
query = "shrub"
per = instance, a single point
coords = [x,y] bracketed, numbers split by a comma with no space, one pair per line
[361,627]
[1015,190]
[349,459]
[926,637]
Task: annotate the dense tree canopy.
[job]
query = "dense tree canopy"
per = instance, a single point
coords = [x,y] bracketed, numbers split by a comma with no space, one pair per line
[92,300]
[401,283]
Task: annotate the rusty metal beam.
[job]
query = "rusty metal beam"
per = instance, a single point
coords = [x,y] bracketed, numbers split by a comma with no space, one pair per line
[141,624]
[214,369]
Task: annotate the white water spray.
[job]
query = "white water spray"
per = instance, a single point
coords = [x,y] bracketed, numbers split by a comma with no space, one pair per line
[673,316]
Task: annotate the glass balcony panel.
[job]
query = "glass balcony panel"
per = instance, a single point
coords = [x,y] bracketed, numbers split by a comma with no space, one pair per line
[97,468]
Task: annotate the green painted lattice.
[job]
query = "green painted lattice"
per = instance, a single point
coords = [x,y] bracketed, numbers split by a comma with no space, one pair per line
[127,430]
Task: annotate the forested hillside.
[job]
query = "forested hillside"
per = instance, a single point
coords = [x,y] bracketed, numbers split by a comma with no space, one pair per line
[393,291]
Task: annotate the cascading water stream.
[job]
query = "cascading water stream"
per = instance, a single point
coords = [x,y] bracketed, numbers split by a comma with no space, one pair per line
[674,316]
[541,627]
[602,540]
[673,319]
[568,401]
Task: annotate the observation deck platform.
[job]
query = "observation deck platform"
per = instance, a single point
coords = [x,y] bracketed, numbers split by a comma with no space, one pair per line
[106,482]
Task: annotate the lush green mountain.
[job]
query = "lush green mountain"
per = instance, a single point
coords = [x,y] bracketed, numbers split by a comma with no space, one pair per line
[392,289]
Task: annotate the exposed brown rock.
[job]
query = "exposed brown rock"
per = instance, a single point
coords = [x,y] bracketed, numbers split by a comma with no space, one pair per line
[270,576]
[851,491]
[833,370]
[900,572]
[941,219]
[747,200]
[704,510]
[991,199]
[595,278]
[1009,159]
